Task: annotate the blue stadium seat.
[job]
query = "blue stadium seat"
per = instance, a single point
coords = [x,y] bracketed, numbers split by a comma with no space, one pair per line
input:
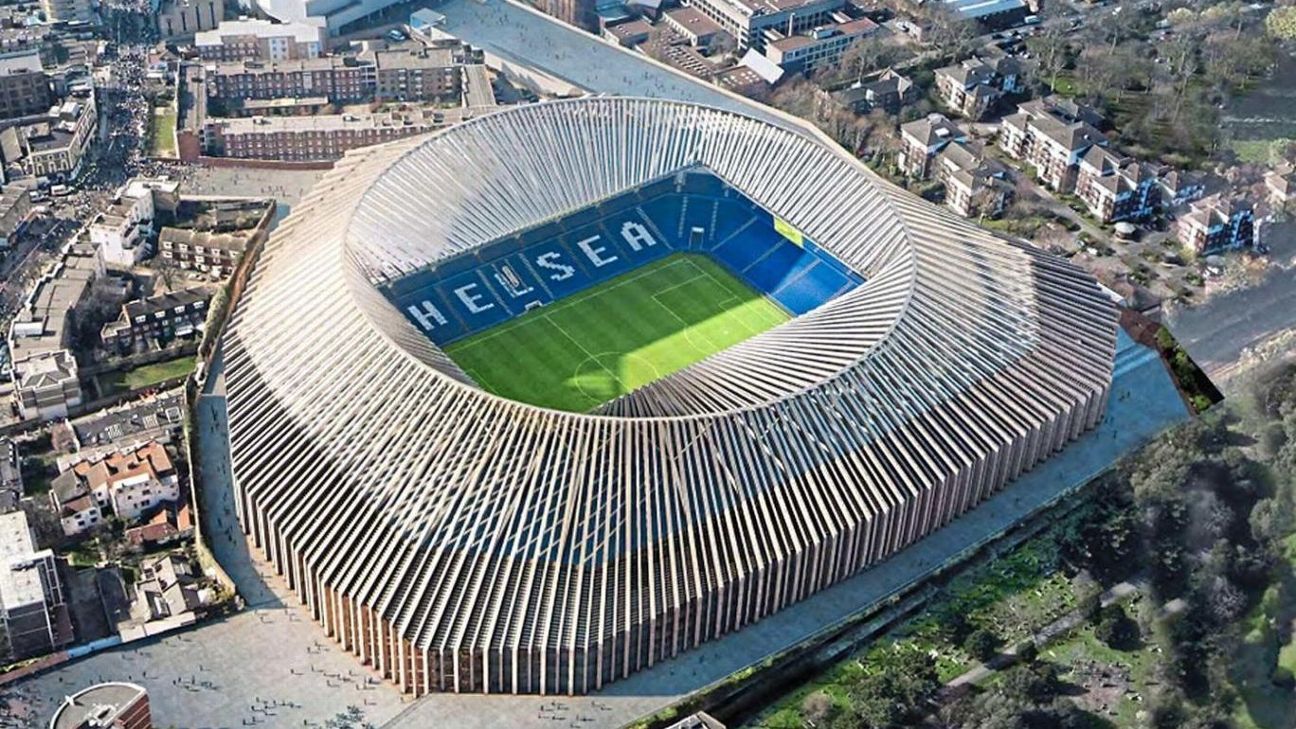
[699,212]
[487,310]
[496,282]
[617,205]
[747,247]
[773,269]
[731,216]
[604,258]
[815,285]
[544,231]
[571,221]
[705,184]
[664,212]
[611,227]
[516,283]
[664,186]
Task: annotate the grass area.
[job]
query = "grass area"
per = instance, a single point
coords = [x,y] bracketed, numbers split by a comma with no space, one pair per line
[1257,151]
[148,375]
[162,133]
[1014,594]
[582,351]
[1083,657]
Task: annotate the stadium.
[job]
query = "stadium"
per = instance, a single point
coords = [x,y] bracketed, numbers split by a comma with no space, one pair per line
[556,394]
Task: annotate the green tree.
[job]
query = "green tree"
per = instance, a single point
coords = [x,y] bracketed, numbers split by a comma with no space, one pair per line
[982,644]
[894,695]
[1036,683]
[1281,23]
[1117,629]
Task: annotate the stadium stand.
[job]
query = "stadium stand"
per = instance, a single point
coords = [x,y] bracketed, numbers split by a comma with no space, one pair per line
[693,211]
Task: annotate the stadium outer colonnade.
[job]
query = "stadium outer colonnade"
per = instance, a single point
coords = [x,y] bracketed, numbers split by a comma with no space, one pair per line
[649,603]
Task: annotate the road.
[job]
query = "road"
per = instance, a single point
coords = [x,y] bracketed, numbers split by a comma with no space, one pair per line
[1216,332]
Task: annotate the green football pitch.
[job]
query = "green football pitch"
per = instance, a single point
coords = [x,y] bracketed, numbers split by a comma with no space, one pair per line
[582,351]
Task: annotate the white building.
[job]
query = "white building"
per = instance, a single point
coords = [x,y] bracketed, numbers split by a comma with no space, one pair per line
[338,16]
[129,483]
[237,40]
[55,145]
[47,385]
[121,232]
[32,604]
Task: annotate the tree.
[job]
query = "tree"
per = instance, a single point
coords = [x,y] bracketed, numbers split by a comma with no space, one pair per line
[1050,49]
[1036,683]
[1281,23]
[864,56]
[894,695]
[948,33]
[167,270]
[817,707]
[1180,17]
[982,644]
[1117,629]
[722,44]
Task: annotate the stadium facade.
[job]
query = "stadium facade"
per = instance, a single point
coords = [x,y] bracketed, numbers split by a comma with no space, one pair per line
[461,541]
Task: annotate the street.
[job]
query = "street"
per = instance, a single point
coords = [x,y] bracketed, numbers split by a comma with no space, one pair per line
[1217,332]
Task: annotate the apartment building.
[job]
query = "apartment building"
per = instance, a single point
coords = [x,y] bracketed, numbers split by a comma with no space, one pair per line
[821,46]
[24,87]
[214,253]
[127,483]
[68,11]
[1217,224]
[46,385]
[433,73]
[1179,187]
[890,92]
[974,87]
[974,184]
[922,140]
[428,74]
[628,34]
[185,18]
[1117,188]
[1051,135]
[55,146]
[40,335]
[32,601]
[581,13]
[156,321]
[316,138]
[15,212]
[261,40]
[337,78]
[749,20]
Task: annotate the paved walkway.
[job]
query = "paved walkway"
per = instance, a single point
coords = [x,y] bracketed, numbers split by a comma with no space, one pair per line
[517,33]
[1047,635]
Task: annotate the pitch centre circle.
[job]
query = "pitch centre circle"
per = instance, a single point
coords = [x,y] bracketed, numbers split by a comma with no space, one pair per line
[606,375]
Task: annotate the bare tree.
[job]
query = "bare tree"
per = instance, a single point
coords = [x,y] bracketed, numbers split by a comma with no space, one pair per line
[865,56]
[167,270]
[1050,48]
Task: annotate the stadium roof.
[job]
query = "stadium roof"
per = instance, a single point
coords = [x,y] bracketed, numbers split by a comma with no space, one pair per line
[458,540]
